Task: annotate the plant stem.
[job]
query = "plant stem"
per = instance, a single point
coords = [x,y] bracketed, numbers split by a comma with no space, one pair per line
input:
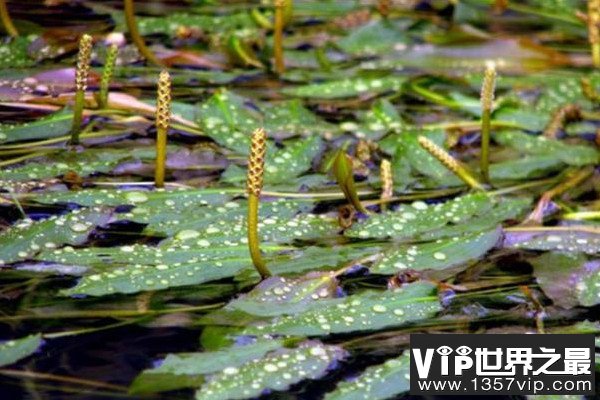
[253,239]
[278,37]
[163,115]
[450,162]
[9,27]
[256,169]
[81,76]
[61,378]
[487,100]
[593,20]
[107,73]
[135,34]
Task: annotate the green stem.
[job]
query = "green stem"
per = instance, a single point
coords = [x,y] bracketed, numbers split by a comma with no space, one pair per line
[9,27]
[278,38]
[77,116]
[485,145]
[253,239]
[161,157]
[108,313]
[135,34]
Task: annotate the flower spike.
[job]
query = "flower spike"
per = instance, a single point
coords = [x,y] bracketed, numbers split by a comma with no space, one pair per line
[449,162]
[163,117]
[81,76]
[256,171]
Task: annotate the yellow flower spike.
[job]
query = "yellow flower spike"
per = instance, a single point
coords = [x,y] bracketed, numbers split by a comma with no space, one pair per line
[81,76]
[387,183]
[163,117]
[9,27]
[593,21]
[278,36]
[256,171]
[137,39]
[449,162]
[570,112]
[487,104]
[107,73]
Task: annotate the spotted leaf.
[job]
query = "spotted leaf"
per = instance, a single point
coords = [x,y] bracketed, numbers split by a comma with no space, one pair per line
[441,254]
[53,125]
[574,239]
[569,279]
[277,370]
[279,295]
[14,350]
[27,238]
[418,218]
[366,311]
[159,200]
[378,382]
[347,88]
[188,369]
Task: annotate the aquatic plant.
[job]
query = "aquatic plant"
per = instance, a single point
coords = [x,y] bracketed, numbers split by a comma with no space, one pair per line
[81,76]
[451,163]
[107,73]
[342,170]
[9,27]
[593,22]
[163,116]
[387,184]
[256,171]
[138,40]
[278,36]
[487,103]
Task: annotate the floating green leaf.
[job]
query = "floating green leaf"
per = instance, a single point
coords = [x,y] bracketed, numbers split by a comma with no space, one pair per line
[376,37]
[378,382]
[348,88]
[569,279]
[283,165]
[159,199]
[27,237]
[53,125]
[369,310]
[577,155]
[277,370]
[418,218]
[278,295]
[14,350]
[188,369]
[443,253]
[575,239]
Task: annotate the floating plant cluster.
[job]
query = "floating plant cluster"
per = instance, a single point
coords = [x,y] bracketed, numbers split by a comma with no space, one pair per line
[300,184]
